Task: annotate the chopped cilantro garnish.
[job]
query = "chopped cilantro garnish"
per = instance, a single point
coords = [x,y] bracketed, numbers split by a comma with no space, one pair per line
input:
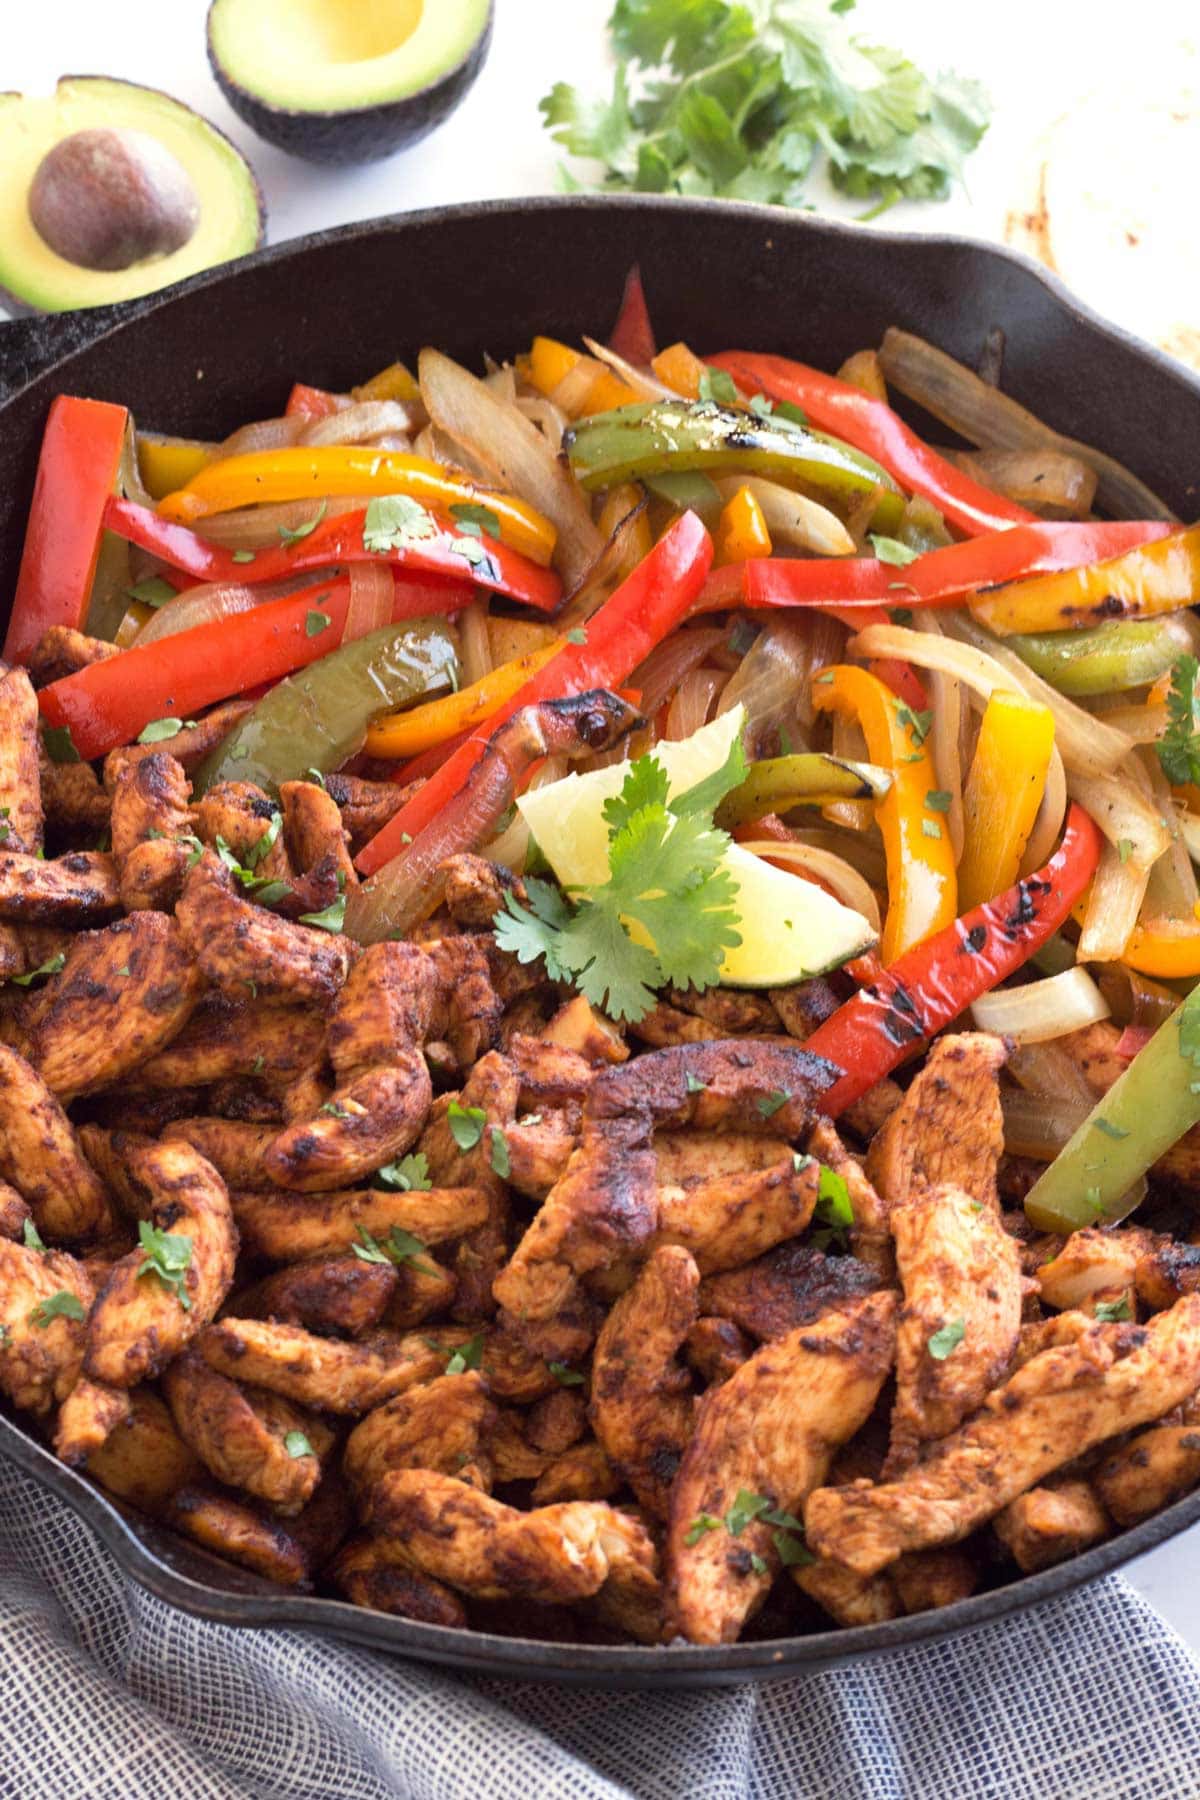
[63,1305]
[59,747]
[411,1173]
[746,1508]
[152,592]
[1109,1129]
[501,1162]
[700,1524]
[466,1124]
[297,1445]
[316,622]
[467,1356]
[292,534]
[943,1342]
[891,550]
[473,518]
[31,1237]
[50,967]
[939,800]
[718,385]
[330,918]
[565,1375]
[394,521]
[1179,746]
[769,1104]
[1114,1312]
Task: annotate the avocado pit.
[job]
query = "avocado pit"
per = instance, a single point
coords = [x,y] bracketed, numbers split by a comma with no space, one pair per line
[106,198]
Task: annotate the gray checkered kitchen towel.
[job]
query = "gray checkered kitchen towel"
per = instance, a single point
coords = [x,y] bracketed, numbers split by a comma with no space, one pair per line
[105,1693]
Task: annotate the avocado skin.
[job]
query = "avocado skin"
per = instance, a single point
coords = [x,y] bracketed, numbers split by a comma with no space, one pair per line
[20,308]
[365,134]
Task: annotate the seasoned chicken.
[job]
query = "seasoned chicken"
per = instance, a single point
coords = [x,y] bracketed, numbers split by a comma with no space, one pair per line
[768,1432]
[121,995]
[870,1235]
[1165,1271]
[578,1026]
[642,1401]
[40,1156]
[249,823]
[475,890]
[488,1098]
[144,1460]
[290,1228]
[716,1349]
[666,1027]
[217,1520]
[559,1420]
[73,802]
[631,1598]
[539,1149]
[440,1425]
[139,1322]
[511,1455]
[1152,1469]
[685,1159]
[1051,1522]
[323,1372]
[467,1008]
[245,1437]
[961,1277]
[245,950]
[1093,1266]
[108,1152]
[237,1151]
[728,1086]
[77,889]
[789,1286]
[20,781]
[476,1544]
[365,806]
[86,1418]
[152,828]
[44,1301]
[244,1037]
[62,651]
[423,1288]
[550,1075]
[929,1579]
[949,1127]
[726,1221]
[1054,1408]
[582,1472]
[1093,1051]
[375,1572]
[849,1599]
[14,1211]
[189,746]
[314,834]
[338,1296]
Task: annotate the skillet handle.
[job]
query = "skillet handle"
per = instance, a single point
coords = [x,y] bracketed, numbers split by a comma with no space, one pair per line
[29,346]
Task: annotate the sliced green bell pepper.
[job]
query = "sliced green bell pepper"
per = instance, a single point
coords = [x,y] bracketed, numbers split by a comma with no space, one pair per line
[778,783]
[1105,659]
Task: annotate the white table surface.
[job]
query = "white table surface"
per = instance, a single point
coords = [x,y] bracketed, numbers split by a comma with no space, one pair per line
[1036,56]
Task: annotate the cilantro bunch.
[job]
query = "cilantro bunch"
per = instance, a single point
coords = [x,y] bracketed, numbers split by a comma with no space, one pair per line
[665,876]
[743,97]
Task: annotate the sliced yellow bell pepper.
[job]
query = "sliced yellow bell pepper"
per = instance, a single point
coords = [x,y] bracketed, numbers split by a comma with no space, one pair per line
[1158,577]
[1003,792]
[1168,948]
[922,889]
[393,383]
[396,736]
[679,368]
[551,362]
[264,476]
[619,503]
[167,463]
[741,531]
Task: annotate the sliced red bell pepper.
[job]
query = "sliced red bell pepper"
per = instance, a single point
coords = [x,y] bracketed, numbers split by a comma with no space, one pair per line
[339,541]
[77,470]
[932,984]
[871,426]
[648,604]
[109,703]
[939,578]
[633,335]
[306,402]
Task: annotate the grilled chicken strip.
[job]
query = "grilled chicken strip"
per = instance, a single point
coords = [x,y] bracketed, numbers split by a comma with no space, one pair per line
[870,1235]
[87,1417]
[365,806]
[223,1038]
[144,1460]
[44,1301]
[40,1156]
[792,1285]
[139,1324]
[727,1086]
[716,1349]
[237,1151]
[1154,1468]
[77,889]
[245,950]
[726,1221]
[1052,1522]
[218,1521]
[961,1275]
[321,1372]
[769,1431]
[245,1437]
[20,782]
[1093,1266]
[121,995]
[14,1211]
[291,1228]
[62,651]
[492,1089]
[378,1108]
[642,1403]
[849,1599]
[476,1544]
[1058,1405]
[339,1296]
[314,833]
[189,746]
[582,1472]
[73,802]
[442,1425]
[152,826]
[467,1009]
[949,1127]
[376,1572]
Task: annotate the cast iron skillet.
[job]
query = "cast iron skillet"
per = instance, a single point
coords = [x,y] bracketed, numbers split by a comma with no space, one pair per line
[225,348]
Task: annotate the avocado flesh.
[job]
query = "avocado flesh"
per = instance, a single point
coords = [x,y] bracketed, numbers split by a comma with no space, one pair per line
[333,82]
[230,219]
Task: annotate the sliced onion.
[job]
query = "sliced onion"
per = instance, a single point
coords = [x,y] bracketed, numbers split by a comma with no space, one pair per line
[372,597]
[863,850]
[1140,724]
[984,416]
[1039,1126]
[1123,813]
[1171,892]
[550,419]
[1047,826]
[645,385]
[1050,1070]
[945,738]
[257,527]
[1048,482]
[476,658]
[770,682]
[830,871]
[515,453]
[792,520]
[264,434]
[511,848]
[1041,1010]
[600,576]
[363,422]
[1113,904]
[1134,999]
[211,601]
[665,667]
[693,702]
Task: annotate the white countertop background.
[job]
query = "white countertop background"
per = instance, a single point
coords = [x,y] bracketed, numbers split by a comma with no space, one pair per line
[1037,57]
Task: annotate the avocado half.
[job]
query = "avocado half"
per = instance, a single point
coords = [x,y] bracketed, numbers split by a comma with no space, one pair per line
[346,81]
[131,189]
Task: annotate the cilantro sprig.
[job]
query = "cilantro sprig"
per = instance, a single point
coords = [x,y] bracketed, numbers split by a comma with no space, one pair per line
[665,877]
[1179,746]
[744,98]
[167,1255]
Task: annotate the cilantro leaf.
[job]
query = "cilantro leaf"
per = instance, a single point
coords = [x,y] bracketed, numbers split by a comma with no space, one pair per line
[297,1445]
[467,1356]
[746,1508]
[834,1205]
[466,1124]
[152,592]
[943,1343]
[59,746]
[1114,1312]
[330,918]
[31,1237]
[410,1174]
[501,1161]
[293,534]
[700,1524]
[50,967]
[393,521]
[316,622]
[565,1375]
[473,518]
[63,1305]
[167,1255]
[891,550]
[1179,746]
[398,1247]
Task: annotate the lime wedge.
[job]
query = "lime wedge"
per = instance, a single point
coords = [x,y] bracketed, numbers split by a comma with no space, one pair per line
[790,928]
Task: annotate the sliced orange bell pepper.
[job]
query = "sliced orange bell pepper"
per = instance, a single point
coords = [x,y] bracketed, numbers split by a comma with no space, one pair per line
[393,383]
[1003,792]
[922,890]
[742,530]
[396,736]
[679,368]
[1168,948]
[619,502]
[1159,577]
[551,362]
[316,472]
